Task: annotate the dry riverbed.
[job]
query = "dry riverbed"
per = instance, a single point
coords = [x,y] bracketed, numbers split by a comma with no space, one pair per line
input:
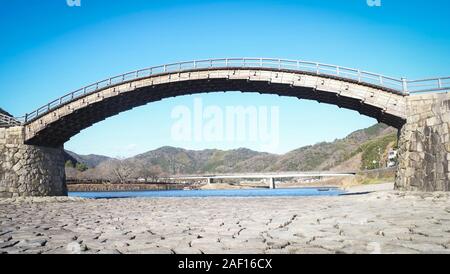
[385,222]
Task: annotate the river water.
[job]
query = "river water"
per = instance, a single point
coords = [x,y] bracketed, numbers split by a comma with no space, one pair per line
[213,193]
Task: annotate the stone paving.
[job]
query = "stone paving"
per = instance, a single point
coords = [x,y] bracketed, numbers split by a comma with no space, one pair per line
[383,222]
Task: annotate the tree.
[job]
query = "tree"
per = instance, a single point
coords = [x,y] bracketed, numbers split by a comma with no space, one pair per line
[81,167]
[176,164]
[148,172]
[122,170]
[69,163]
[155,173]
[71,173]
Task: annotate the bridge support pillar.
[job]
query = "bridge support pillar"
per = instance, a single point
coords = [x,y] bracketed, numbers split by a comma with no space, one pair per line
[210,181]
[29,170]
[272,183]
[424,144]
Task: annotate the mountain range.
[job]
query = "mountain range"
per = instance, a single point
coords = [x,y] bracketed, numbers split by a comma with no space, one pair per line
[359,150]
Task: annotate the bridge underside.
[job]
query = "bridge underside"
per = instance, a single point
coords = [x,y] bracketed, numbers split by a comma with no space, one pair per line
[60,131]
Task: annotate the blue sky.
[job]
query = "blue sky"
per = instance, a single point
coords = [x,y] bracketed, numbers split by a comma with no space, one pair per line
[48,49]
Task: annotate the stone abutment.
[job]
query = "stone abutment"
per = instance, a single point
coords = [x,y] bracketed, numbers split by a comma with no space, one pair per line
[29,170]
[424,144]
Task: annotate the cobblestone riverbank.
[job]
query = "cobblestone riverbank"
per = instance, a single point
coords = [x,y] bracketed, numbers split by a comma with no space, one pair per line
[383,222]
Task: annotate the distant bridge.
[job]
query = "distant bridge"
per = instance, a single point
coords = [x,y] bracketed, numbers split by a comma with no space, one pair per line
[270,176]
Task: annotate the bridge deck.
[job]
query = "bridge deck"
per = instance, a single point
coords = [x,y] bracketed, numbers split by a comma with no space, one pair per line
[401,86]
[264,175]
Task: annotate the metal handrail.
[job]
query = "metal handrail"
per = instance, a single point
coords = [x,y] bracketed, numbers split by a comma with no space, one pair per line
[402,85]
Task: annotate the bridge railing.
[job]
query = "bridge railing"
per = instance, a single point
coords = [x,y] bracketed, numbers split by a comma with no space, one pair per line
[402,86]
[8,121]
[426,85]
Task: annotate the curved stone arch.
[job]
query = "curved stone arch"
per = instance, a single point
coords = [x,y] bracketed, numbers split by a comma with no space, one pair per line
[57,126]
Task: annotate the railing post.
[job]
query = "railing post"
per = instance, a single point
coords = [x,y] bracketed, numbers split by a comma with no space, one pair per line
[226,62]
[404,85]
[359,75]
[439,83]
[165,68]
[317,69]
[195,64]
[279,64]
[337,71]
[298,65]
[26,117]
[381,80]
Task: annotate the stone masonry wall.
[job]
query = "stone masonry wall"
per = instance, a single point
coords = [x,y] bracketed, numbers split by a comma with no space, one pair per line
[29,170]
[424,144]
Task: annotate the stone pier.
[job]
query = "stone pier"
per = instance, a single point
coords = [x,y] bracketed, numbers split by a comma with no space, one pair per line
[424,144]
[272,183]
[29,170]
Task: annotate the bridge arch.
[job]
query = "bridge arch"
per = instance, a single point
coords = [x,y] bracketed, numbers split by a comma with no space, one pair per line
[54,124]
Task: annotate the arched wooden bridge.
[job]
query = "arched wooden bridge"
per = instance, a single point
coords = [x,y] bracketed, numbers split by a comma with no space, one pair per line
[419,108]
